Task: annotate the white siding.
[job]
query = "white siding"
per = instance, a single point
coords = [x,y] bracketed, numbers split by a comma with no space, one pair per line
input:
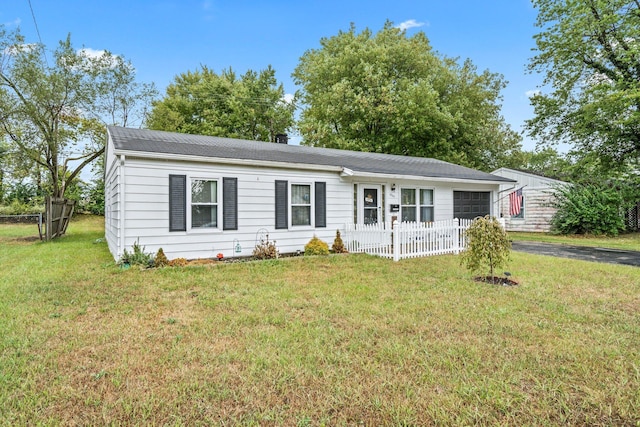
[538,195]
[137,206]
[147,209]
[442,195]
[112,208]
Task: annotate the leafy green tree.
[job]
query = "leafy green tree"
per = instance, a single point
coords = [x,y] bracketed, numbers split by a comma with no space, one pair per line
[52,108]
[594,208]
[589,51]
[547,161]
[390,93]
[203,102]
[488,245]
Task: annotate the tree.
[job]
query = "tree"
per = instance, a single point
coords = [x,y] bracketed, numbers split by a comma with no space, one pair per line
[203,102]
[488,245]
[52,110]
[391,93]
[596,208]
[547,162]
[589,52]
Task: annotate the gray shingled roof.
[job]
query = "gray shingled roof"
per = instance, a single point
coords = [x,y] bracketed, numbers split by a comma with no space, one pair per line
[152,141]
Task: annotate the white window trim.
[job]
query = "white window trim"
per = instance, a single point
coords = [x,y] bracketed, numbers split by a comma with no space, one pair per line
[218,227]
[433,201]
[418,205]
[311,205]
[416,195]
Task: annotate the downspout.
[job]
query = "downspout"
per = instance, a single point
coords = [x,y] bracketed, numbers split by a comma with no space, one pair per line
[121,194]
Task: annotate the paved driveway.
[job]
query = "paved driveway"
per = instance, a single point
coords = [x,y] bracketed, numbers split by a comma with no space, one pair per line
[611,256]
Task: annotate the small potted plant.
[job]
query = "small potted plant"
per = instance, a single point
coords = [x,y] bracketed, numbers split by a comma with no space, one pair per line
[220,256]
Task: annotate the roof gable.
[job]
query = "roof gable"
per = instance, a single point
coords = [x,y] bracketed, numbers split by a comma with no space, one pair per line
[152,142]
[519,175]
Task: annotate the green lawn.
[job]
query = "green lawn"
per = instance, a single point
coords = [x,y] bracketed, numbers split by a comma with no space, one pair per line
[338,340]
[630,241]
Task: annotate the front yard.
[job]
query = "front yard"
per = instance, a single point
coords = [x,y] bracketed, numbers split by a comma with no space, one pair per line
[338,340]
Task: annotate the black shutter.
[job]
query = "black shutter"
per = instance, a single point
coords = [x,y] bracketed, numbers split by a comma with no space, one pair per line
[177,203]
[229,203]
[321,204]
[282,205]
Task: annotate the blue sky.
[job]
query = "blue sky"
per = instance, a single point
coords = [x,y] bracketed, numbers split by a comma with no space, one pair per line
[169,37]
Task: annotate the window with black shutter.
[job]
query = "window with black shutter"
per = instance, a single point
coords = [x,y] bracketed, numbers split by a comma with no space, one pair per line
[229,203]
[282,205]
[177,202]
[321,204]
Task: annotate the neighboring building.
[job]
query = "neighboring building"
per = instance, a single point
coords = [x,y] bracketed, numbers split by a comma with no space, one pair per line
[537,192]
[197,196]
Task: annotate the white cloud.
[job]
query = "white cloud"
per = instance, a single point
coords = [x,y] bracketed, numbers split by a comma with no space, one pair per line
[411,23]
[288,98]
[91,53]
[15,49]
[532,93]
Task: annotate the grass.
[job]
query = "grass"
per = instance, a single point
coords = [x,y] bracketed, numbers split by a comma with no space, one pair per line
[630,241]
[338,340]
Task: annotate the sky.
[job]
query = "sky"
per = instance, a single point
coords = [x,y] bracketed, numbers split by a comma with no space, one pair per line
[164,38]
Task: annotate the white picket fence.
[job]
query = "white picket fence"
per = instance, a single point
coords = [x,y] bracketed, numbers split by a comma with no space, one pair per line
[407,239]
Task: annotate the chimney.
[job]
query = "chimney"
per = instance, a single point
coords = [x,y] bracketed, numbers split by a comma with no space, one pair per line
[282,138]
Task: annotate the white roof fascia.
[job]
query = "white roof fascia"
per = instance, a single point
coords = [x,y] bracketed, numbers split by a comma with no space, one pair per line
[357,174]
[223,160]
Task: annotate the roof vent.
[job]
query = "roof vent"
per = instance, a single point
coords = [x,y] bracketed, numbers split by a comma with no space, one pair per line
[282,138]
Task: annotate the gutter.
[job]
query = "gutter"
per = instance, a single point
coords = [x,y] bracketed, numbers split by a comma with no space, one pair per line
[227,161]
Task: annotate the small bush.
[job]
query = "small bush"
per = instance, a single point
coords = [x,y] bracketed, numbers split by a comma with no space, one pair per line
[266,249]
[161,259]
[316,247]
[178,262]
[488,245]
[137,257]
[338,245]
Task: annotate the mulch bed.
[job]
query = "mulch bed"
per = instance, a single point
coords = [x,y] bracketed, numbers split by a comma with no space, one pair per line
[495,280]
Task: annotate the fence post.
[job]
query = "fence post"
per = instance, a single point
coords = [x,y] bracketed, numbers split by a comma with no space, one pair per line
[458,234]
[396,241]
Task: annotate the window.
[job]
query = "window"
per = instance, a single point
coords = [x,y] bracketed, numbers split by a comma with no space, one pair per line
[520,215]
[408,205]
[304,203]
[411,210]
[300,204]
[204,204]
[426,205]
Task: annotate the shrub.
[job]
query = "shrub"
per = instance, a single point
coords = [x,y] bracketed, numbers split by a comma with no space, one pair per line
[266,249]
[17,207]
[161,259]
[137,257]
[487,245]
[588,209]
[316,247]
[178,262]
[338,245]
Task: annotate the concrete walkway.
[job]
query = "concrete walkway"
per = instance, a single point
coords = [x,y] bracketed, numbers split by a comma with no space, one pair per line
[585,253]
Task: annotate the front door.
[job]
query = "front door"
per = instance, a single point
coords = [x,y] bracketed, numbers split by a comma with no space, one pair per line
[372,209]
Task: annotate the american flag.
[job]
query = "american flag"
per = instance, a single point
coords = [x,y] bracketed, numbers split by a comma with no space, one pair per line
[515,199]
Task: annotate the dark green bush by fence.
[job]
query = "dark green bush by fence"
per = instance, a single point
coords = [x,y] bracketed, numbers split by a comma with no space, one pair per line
[589,209]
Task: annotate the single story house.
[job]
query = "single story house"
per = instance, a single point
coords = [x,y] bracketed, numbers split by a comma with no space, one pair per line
[535,211]
[197,196]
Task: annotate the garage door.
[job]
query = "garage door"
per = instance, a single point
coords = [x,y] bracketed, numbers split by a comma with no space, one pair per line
[471,204]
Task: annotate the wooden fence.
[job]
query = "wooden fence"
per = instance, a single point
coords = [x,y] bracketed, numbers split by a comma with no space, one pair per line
[407,239]
[58,214]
